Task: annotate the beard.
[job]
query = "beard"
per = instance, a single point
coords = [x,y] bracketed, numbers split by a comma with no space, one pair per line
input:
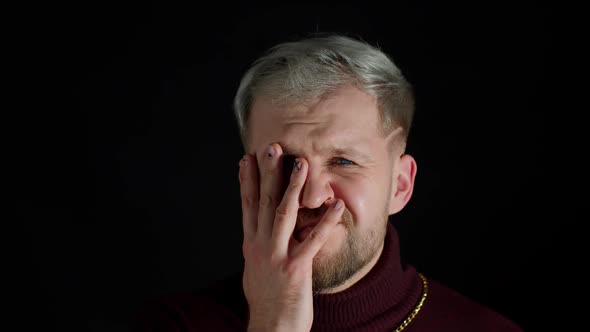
[331,271]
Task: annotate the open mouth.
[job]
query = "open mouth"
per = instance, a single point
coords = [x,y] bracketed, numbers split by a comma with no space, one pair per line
[301,234]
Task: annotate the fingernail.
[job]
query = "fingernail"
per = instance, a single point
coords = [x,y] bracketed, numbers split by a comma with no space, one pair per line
[244,161]
[297,165]
[270,151]
[339,204]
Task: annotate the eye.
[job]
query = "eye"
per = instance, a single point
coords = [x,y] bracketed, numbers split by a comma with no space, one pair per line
[343,162]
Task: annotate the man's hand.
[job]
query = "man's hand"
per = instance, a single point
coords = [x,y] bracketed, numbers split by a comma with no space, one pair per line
[278,269]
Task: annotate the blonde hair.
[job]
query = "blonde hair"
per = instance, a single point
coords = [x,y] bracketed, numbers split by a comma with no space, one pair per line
[313,68]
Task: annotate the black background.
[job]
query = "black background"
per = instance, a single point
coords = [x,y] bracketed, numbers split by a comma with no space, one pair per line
[126,151]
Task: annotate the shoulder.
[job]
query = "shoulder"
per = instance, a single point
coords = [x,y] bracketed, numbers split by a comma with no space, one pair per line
[220,307]
[449,310]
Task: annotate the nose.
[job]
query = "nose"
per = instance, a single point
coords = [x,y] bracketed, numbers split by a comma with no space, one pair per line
[317,189]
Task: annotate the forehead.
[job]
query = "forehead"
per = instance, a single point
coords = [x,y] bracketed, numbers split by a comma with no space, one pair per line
[347,118]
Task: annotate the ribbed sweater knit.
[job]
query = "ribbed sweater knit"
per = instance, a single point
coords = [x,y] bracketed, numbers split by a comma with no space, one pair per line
[380,301]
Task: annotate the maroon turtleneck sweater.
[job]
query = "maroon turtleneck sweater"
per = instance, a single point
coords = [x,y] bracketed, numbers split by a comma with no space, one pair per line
[378,302]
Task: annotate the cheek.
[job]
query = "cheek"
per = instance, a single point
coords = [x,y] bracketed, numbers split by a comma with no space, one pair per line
[361,197]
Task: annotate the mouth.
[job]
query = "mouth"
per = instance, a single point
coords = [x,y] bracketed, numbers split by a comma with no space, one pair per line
[304,227]
[302,233]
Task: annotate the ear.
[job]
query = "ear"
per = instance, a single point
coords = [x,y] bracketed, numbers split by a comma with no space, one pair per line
[402,183]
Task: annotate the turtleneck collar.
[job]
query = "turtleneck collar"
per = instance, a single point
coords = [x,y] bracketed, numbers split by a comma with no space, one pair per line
[381,300]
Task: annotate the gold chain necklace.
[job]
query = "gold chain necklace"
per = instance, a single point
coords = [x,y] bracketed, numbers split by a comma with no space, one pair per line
[418,306]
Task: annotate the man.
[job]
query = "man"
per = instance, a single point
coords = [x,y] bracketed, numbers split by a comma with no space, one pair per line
[319,251]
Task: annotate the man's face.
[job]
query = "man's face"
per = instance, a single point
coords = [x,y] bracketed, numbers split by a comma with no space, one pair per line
[348,159]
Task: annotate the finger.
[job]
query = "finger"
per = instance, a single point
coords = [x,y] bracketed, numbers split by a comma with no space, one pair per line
[286,213]
[320,233]
[249,195]
[270,180]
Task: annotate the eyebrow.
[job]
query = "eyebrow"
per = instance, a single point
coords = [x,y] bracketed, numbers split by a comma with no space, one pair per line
[341,151]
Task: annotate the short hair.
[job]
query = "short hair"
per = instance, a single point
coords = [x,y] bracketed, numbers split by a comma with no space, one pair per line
[313,68]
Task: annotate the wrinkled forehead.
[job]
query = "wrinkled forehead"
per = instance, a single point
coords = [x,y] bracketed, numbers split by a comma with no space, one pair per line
[349,117]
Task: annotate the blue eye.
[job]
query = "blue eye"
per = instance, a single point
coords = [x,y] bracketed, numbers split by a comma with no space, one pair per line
[343,161]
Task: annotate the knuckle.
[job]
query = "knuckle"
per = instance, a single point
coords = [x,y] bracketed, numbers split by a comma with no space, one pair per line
[316,235]
[265,200]
[248,201]
[282,211]
[294,186]
[295,181]
[267,172]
